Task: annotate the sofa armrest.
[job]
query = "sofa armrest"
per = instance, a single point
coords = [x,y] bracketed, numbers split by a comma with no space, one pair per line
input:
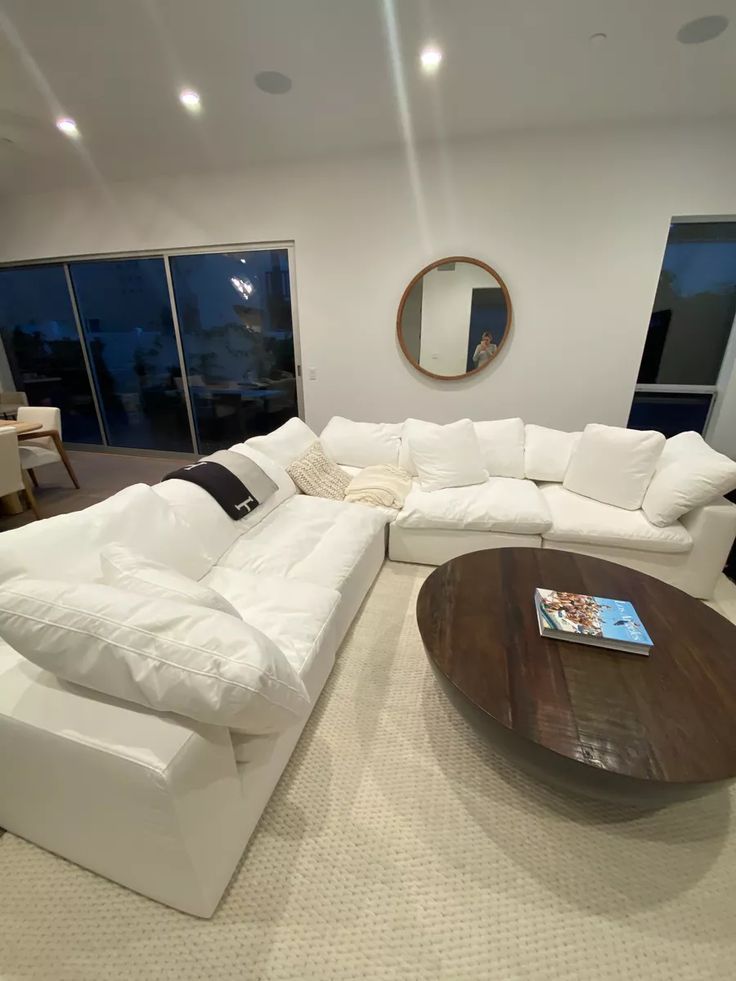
[712,529]
[148,801]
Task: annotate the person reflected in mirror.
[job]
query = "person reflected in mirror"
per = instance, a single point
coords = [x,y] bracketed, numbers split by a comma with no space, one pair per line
[485,350]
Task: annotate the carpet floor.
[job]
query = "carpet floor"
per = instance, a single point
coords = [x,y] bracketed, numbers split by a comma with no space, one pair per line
[399,845]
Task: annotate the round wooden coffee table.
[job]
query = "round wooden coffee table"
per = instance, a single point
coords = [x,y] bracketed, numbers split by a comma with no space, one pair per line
[646,730]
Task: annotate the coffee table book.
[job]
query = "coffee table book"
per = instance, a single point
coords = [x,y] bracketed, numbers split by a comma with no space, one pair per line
[594,620]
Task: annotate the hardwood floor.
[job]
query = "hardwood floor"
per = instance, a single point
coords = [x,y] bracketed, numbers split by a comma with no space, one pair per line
[100,476]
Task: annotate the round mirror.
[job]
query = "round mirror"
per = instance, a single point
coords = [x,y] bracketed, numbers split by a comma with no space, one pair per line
[454,317]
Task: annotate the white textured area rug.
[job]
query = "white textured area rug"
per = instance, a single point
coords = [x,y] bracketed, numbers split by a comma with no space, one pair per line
[399,845]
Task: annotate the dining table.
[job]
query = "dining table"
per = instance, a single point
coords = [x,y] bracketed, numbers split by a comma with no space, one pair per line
[11,503]
[21,428]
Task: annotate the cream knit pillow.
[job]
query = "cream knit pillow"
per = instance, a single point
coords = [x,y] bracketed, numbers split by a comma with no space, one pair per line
[315,474]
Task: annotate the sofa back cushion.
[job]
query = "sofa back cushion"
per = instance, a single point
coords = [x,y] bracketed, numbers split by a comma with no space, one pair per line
[361,444]
[68,546]
[445,456]
[167,656]
[208,521]
[285,444]
[614,465]
[689,475]
[127,569]
[405,460]
[502,446]
[547,453]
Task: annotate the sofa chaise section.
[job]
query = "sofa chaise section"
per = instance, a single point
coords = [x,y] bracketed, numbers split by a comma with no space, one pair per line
[157,802]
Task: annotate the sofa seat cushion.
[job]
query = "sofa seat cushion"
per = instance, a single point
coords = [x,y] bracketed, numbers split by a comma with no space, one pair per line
[580,519]
[294,615]
[504,504]
[311,539]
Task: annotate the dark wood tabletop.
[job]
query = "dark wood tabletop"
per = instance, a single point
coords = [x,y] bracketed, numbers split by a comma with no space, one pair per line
[669,717]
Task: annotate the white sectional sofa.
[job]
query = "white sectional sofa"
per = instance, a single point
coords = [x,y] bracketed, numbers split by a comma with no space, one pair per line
[157,802]
[166,805]
[524,503]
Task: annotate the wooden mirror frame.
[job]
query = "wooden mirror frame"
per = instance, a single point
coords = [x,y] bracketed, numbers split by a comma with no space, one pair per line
[415,280]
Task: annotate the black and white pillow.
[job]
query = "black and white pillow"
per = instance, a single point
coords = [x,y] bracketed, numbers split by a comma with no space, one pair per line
[235,481]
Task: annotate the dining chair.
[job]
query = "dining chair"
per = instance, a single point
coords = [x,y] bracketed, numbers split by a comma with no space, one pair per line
[11,401]
[12,475]
[38,452]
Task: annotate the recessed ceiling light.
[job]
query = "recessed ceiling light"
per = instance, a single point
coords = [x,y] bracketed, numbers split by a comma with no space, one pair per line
[702,29]
[190,100]
[431,58]
[274,83]
[67,126]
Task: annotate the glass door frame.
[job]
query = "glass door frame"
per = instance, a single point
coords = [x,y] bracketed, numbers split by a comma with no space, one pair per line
[728,362]
[165,255]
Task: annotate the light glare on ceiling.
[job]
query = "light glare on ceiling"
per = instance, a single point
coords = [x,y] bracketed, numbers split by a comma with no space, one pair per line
[190,100]
[67,126]
[431,58]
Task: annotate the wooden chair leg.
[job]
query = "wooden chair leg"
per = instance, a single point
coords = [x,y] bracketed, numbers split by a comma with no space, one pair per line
[31,496]
[33,477]
[65,459]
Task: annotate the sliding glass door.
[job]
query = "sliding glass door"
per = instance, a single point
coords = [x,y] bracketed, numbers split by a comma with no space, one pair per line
[128,326]
[235,318]
[43,348]
[180,351]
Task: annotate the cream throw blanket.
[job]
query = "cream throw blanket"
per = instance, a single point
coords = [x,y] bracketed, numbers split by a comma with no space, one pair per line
[380,486]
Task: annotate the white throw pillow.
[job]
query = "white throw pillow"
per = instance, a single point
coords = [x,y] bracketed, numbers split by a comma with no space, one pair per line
[361,444]
[285,444]
[689,474]
[170,657]
[126,569]
[502,447]
[614,465]
[547,453]
[445,456]
[211,522]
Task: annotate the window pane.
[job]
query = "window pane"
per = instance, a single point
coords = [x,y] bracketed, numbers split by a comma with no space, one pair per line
[126,316]
[235,317]
[43,348]
[694,306]
[670,412]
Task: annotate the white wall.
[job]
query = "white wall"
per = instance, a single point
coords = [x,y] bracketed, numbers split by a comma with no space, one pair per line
[575,222]
[447,300]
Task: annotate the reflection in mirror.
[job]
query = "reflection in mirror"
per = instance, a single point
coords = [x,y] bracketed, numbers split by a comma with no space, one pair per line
[453,317]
